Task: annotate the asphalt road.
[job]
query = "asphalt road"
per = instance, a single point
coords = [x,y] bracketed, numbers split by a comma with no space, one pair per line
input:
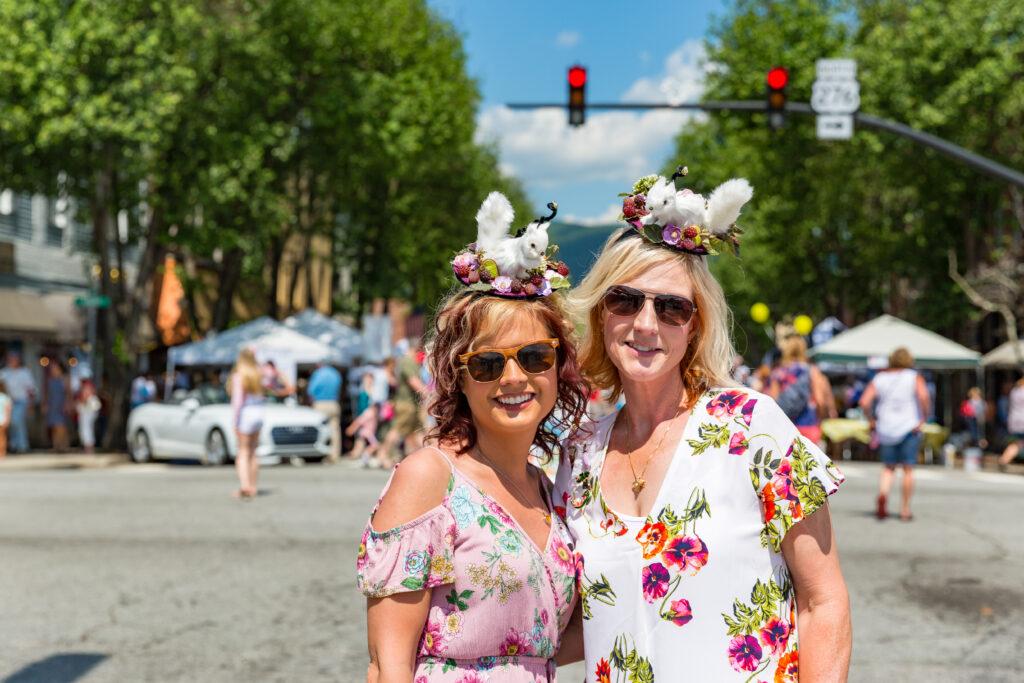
[153,573]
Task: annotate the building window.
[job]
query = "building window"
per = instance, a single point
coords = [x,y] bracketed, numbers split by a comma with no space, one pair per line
[15,216]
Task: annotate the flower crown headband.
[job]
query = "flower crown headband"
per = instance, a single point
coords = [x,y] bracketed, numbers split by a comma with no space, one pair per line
[685,221]
[514,267]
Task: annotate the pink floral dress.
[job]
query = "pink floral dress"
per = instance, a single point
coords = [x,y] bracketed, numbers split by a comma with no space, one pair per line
[498,603]
[697,590]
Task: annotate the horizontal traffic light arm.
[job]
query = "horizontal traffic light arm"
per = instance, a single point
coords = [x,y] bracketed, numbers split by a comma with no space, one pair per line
[965,156]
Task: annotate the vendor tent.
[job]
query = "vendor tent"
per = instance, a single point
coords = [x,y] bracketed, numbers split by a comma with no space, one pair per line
[262,334]
[1005,356]
[340,337]
[881,336]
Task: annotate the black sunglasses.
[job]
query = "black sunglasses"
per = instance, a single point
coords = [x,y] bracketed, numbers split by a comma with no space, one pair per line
[487,365]
[670,309]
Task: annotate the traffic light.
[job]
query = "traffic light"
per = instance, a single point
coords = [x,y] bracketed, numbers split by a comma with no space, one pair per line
[577,95]
[777,80]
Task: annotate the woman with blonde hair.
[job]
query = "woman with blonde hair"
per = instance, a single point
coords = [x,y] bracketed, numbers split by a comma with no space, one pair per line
[698,509]
[467,574]
[801,389]
[246,388]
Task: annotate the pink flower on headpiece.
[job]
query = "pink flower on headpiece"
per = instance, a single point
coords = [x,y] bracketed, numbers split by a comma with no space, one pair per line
[672,234]
[687,243]
[502,284]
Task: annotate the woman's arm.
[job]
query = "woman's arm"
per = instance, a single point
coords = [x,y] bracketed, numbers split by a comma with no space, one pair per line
[923,399]
[824,397]
[822,602]
[394,626]
[571,648]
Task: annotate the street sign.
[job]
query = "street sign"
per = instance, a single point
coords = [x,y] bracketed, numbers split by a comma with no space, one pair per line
[93,301]
[835,97]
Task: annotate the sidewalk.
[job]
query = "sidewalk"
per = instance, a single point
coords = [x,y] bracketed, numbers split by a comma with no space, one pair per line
[43,460]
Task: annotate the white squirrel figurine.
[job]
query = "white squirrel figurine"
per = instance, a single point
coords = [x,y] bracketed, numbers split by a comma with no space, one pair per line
[717,214]
[514,255]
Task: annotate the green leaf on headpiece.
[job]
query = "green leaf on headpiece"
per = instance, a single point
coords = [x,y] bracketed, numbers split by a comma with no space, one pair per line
[653,233]
[559,282]
[490,267]
[644,184]
[479,287]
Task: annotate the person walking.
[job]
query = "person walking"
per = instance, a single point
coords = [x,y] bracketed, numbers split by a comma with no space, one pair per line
[406,424]
[1014,425]
[801,389]
[55,406]
[88,407]
[699,510]
[468,574]
[22,389]
[973,410]
[895,403]
[246,388]
[323,390]
[6,408]
[364,427]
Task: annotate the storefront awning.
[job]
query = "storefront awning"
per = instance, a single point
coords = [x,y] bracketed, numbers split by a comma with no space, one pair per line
[24,312]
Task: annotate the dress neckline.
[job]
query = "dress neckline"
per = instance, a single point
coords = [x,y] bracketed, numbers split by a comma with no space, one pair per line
[669,473]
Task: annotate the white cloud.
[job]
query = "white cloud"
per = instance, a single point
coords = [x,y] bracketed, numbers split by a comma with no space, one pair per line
[546,153]
[609,215]
[568,39]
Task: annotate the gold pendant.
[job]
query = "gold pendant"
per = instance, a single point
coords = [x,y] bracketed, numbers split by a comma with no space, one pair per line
[638,486]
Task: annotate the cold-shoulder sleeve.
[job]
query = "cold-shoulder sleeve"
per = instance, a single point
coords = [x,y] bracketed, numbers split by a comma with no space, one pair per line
[410,557]
[791,475]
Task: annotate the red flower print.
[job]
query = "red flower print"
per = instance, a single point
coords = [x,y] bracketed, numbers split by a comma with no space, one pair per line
[515,644]
[775,635]
[725,404]
[603,672]
[782,482]
[738,444]
[768,498]
[654,579]
[560,511]
[789,668]
[679,612]
[744,653]
[748,411]
[686,552]
[652,538]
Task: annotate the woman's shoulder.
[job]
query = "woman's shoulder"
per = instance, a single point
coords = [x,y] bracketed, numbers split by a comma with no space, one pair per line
[418,485]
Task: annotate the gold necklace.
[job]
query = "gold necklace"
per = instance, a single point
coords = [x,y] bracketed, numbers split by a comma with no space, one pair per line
[640,482]
[518,492]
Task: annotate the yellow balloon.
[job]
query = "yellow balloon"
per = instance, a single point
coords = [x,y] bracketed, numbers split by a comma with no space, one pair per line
[759,312]
[803,324]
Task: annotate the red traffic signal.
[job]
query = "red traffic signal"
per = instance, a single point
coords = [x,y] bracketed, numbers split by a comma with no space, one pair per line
[777,78]
[577,77]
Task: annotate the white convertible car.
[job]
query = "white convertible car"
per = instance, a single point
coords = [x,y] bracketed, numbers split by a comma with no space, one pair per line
[197,424]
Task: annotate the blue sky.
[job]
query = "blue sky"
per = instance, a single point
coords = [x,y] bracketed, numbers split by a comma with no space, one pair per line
[641,51]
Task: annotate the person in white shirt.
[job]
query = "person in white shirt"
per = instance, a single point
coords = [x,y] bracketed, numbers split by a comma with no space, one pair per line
[21,387]
[1014,424]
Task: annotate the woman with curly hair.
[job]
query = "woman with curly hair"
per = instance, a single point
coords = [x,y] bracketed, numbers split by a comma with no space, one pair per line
[467,572]
[698,509]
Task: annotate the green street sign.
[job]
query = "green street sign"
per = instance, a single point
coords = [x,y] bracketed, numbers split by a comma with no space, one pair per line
[93,301]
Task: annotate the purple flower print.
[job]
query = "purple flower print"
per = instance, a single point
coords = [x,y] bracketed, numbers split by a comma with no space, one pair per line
[725,404]
[738,444]
[748,411]
[654,579]
[744,653]
[679,612]
[686,552]
[775,635]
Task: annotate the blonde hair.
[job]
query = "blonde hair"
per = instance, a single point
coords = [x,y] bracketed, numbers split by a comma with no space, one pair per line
[709,355]
[901,358]
[248,369]
[794,348]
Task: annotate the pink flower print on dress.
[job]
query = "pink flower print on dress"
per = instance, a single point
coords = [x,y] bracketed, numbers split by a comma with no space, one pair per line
[747,413]
[654,579]
[433,641]
[725,404]
[498,512]
[679,612]
[565,558]
[686,552]
[516,644]
[775,635]
[738,444]
[782,482]
[472,677]
[744,653]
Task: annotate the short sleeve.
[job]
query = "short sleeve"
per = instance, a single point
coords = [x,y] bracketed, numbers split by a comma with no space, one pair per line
[791,476]
[411,557]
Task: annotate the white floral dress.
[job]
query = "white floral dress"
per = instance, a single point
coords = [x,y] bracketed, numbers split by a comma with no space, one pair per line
[699,589]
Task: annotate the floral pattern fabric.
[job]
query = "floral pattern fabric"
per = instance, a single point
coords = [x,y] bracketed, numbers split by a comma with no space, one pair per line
[698,589]
[498,603]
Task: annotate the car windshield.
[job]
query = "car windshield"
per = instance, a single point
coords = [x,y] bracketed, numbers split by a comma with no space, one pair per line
[209,394]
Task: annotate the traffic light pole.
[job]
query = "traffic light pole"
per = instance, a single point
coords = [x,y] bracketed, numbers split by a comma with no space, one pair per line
[964,156]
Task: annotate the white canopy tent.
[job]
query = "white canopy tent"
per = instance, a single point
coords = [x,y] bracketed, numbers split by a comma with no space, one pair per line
[335,334]
[879,337]
[1005,356]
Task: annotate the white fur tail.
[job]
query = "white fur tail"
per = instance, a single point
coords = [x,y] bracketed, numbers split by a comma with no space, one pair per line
[493,220]
[725,203]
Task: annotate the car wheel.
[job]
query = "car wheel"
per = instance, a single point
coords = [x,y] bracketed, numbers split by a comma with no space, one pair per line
[216,451]
[141,451]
